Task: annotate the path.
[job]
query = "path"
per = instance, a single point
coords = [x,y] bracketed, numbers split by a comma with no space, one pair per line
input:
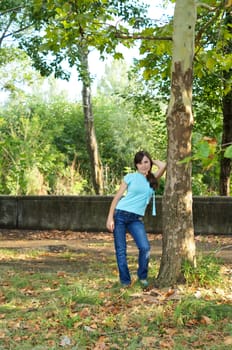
[72,241]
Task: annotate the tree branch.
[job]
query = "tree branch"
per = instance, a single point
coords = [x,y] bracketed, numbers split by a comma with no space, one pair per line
[10,10]
[200,33]
[4,32]
[144,37]
[226,144]
[208,7]
[19,30]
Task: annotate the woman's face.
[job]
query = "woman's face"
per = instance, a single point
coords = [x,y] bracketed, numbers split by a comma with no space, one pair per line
[144,166]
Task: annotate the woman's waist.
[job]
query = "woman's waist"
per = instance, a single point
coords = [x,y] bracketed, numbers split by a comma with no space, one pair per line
[128,212]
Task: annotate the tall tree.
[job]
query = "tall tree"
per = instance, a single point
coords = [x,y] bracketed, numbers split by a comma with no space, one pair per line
[67,38]
[92,145]
[178,233]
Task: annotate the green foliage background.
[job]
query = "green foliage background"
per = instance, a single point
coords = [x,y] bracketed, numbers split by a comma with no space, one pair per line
[43,149]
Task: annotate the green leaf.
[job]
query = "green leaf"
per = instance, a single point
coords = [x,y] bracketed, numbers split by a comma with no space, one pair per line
[118,56]
[228,152]
[210,63]
[203,150]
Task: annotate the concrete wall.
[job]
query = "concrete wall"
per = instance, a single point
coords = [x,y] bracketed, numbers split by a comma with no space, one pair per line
[211,215]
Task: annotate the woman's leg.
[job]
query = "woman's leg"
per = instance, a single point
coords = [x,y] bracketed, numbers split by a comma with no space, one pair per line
[137,230]
[121,247]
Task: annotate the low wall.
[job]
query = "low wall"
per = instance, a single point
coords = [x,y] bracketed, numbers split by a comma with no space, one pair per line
[211,215]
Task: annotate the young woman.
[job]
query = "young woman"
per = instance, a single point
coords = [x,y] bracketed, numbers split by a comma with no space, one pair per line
[126,214]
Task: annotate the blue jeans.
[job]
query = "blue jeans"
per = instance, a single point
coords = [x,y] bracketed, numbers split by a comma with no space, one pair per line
[133,223]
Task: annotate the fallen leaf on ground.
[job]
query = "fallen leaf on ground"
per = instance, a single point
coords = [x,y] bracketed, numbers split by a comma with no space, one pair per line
[206,320]
[100,344]
[148,341]
[61,274]
[2,334]
[166,344]
[85,312]
[169,293]
[228,340]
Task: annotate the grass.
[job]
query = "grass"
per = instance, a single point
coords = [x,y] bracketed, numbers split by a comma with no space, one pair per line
[53,300]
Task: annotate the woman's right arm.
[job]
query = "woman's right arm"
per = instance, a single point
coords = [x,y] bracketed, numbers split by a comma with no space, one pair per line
[110,218]
[161,167]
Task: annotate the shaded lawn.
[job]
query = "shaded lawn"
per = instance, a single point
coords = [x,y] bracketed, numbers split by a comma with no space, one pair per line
[64,294]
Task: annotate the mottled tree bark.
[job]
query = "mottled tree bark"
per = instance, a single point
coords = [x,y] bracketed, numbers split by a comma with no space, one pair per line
[92,145]
[178,232]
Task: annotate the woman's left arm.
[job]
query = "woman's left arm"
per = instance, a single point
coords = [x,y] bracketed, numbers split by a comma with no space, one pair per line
[161,167]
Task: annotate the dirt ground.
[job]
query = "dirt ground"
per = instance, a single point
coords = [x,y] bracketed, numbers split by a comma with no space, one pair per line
[102,242]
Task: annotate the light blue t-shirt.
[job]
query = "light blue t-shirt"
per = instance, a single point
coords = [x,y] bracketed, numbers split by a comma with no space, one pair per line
[138,195]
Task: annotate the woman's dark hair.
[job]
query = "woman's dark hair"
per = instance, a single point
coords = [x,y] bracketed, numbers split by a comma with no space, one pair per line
[150,177]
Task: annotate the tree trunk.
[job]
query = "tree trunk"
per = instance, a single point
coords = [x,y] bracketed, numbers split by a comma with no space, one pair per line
[92,145]
[178,232]
[225,171]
